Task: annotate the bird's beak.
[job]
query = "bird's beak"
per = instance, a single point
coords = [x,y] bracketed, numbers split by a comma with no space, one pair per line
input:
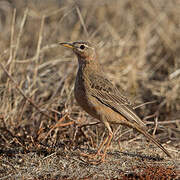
[69,45]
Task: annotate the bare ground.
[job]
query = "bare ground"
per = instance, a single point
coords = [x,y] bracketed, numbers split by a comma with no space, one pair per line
[42,129]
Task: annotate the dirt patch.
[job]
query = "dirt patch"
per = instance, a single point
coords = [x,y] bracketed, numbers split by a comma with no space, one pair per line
[43,130]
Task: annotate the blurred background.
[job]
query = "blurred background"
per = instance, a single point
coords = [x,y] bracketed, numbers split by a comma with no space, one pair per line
[137,42]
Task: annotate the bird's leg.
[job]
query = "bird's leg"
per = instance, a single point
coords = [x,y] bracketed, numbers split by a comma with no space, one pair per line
[101,146]
[93,156]
[107,145]
[108,140]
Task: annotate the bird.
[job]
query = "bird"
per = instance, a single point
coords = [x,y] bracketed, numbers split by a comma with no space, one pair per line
[97,95]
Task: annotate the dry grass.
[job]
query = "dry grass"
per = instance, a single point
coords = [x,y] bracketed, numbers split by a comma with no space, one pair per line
[138,45]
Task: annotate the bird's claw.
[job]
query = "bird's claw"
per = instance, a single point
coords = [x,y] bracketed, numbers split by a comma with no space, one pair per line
[93,158]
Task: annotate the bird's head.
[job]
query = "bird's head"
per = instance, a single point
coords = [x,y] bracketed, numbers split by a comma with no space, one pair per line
[84,51]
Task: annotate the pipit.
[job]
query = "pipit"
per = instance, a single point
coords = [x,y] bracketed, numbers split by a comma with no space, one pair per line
[101,99]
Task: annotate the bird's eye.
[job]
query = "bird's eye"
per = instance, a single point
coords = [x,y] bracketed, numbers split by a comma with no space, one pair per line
[82,47]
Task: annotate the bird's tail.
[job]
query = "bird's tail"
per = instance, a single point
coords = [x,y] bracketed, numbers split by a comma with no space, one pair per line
[150,137]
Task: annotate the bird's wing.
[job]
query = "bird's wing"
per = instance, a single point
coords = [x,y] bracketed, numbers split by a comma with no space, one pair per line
[106,93]
[101,84]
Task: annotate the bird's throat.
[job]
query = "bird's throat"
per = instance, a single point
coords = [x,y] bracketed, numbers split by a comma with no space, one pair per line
[89,64]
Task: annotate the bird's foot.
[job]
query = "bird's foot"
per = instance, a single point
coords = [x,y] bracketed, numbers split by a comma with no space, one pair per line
[94,158]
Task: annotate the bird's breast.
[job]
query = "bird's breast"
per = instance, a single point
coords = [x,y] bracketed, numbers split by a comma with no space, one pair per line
[83,96]
[80,91]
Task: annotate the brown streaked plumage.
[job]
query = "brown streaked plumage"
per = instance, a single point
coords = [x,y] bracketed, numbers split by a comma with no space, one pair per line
[100,98]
